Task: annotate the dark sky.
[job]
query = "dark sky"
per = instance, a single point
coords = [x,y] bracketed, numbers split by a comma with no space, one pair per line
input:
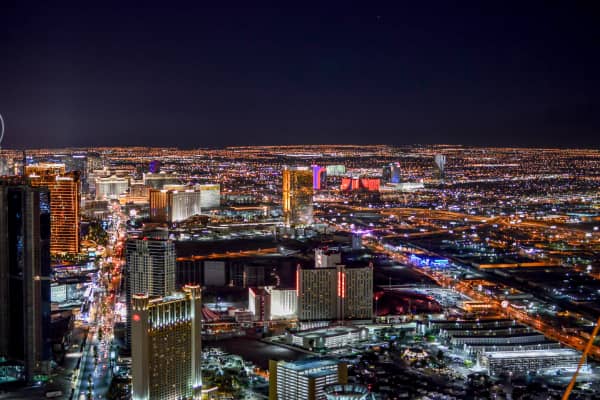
[522,73]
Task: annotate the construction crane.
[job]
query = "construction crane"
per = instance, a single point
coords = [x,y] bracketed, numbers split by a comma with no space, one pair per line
[588,347]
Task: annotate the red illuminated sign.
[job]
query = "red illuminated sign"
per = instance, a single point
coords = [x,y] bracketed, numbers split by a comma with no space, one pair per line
[341,284]
[363,184]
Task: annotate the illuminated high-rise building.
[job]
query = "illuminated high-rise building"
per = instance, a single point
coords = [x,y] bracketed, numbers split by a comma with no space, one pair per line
[167,346]
[259,304]
[357,293]
[339,293]
[391,173]
[65,197]
[297,196]
[268,303]
[25,276]
[72,162]
[111,187]
[176,203]
[159,205]
[304,380]
[319,177]
[440,163]
[150,269]
[154,166]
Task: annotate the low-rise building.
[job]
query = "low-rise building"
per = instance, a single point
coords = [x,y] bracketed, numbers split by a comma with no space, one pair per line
[524,362]
[332,337]
[304,380]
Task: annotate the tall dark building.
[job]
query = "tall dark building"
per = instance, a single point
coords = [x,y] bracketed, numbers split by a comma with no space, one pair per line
[150,270]
[25,275]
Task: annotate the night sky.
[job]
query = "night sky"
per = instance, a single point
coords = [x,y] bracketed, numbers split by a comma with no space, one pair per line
[521,73]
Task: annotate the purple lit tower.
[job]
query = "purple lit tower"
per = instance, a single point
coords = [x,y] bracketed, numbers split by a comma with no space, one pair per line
[154,166]
[319,177]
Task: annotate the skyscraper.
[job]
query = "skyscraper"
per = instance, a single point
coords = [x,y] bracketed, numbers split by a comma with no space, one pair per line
[75,162]
[297,196]
[304,380]
[319,177]
[356,289]
[316,289]
[25,275]
[167,346]
[150,269]
[337,293]
[391,173]
[176,203]
[65,197]
[111,187]
[440,163]
[269,303]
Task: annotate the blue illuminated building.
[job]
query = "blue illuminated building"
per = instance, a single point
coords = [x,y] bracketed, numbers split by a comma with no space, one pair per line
[427,261]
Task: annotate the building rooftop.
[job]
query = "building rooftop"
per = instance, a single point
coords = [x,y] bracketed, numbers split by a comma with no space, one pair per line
[345,390]
[328,331]
[532,353]
[305,365]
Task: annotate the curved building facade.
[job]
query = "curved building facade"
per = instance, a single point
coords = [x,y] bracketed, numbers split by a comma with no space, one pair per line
[346,392]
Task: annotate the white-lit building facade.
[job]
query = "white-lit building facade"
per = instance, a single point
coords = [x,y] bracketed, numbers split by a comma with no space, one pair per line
[177,202]
[334,293]
[331,337]
[524,362]
[269,303]
[167,346]
[304,380]
[150,269]
[111,187]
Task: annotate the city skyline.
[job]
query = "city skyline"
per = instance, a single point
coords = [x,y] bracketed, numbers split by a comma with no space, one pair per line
[344,200]
[448,266]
